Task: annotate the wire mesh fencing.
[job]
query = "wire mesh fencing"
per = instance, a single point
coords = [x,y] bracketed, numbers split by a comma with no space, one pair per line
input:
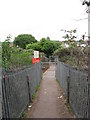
[74,82]
[18,88]
[0,96]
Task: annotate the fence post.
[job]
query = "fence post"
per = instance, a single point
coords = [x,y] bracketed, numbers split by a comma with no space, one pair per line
[68,83]
[30,98]
[5,100]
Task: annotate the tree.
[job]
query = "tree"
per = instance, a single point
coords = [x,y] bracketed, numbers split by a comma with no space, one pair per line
[45,45]
[34,46]
[23,39]
[48,47]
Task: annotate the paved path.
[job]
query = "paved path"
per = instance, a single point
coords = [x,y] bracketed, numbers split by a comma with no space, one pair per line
[49,103]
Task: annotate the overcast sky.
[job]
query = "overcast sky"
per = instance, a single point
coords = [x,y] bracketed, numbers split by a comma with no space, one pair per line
[41,18]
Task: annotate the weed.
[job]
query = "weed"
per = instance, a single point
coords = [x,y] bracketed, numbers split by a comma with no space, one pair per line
[23,115]
[38,87]
[68,106]
[34,94]
[57,81]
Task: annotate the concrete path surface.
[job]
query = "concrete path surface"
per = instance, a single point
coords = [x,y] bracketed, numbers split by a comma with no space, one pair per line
[49,102]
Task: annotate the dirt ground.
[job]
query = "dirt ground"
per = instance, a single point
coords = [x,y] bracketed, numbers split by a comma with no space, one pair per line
[50,102]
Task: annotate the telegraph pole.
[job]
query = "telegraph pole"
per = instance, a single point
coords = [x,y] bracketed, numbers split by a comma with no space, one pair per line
[0,80]
[89,60]
[89,41]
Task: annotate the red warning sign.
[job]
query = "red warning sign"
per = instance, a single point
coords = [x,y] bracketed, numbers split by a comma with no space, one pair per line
[35,60]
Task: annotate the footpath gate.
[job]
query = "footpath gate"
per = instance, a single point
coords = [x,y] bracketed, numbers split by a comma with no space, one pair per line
[18,88]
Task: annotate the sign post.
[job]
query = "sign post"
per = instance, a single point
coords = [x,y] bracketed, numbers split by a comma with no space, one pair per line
[36,54]
[36,58]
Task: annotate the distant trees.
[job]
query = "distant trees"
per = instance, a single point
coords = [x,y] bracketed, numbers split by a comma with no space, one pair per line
[23,39]
[74,54]
[45,45]
[34,46]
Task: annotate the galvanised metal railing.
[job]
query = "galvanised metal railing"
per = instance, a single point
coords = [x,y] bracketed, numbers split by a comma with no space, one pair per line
[17,89]
[74,82]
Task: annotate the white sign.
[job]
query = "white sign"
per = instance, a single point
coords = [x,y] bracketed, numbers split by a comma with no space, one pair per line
[36,54]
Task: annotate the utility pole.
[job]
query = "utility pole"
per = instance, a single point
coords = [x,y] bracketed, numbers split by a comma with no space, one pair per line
[87,2]
[89,41]
[89,60]
[0,80]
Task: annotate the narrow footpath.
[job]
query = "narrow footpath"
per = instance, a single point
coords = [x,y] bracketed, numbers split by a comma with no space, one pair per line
[49,102]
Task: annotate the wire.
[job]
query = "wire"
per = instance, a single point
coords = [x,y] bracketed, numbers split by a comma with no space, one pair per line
[80,19]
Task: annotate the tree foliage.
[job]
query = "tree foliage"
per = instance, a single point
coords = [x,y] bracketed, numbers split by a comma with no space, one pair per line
[23,39]
[34,46]
[13,57]
[6,53]
[45,45]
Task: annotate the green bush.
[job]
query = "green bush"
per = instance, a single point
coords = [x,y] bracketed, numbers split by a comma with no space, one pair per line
[14,57]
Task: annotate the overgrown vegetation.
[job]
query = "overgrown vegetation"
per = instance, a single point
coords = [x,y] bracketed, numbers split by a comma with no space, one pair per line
[13,57]
[68,107]
[38,87]
[23,115]
[45,45]
[76,54]
[69,51]
[34,94]
[79,57]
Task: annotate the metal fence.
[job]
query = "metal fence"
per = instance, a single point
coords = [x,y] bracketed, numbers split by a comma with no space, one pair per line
[75,85]
[18,88]
[0,98]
